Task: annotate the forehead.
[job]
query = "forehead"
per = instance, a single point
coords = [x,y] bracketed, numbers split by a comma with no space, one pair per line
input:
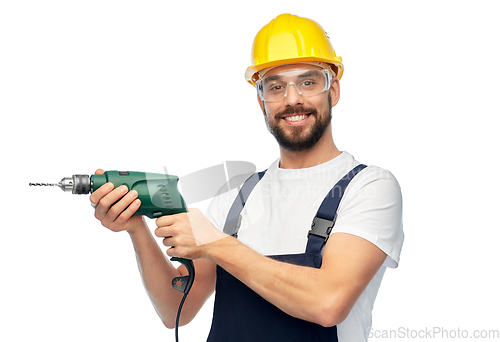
[290,69]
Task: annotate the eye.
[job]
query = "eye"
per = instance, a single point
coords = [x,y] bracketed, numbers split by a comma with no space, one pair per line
[276,87]
[308,83]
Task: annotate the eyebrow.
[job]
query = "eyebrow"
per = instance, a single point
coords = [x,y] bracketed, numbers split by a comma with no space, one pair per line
[271,78]
[309,73]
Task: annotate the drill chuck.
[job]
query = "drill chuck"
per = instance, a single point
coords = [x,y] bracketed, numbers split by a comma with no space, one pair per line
[76,184]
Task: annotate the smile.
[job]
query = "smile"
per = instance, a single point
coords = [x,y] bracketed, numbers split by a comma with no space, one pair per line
[296,119]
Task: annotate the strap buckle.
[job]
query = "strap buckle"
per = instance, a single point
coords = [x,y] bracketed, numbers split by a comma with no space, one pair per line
[321,227]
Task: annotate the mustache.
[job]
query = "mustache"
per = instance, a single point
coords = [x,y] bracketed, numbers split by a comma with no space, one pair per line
[296,110]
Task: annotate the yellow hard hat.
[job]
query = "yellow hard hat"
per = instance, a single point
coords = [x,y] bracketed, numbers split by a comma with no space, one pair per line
[291,39]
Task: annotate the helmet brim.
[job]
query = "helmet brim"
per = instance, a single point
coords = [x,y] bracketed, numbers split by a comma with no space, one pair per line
[251,74]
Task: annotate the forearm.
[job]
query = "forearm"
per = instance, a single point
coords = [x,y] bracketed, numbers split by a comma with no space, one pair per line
[157,273]
[299,291]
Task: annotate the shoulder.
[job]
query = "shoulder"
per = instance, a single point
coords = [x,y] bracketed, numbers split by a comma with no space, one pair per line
[375,182]
[372,209]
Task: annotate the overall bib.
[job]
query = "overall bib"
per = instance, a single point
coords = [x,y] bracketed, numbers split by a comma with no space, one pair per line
[240,314]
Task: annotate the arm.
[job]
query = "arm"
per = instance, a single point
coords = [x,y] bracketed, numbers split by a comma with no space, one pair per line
[156,271]
[324,296]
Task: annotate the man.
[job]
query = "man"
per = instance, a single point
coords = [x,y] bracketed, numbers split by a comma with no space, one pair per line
[274,283]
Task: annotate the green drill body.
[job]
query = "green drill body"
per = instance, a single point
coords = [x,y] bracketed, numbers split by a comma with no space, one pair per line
[158,192]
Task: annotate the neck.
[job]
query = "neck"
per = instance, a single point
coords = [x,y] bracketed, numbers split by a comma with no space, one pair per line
[323,151]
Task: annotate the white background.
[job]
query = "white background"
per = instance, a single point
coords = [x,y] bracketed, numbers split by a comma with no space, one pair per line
[135,85]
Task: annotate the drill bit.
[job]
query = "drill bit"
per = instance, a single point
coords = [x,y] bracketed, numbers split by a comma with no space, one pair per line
[44,184]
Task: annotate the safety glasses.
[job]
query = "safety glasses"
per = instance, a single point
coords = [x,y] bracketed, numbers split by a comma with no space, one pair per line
[273,87]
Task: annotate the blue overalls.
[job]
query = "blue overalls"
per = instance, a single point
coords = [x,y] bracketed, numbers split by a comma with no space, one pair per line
[240,314]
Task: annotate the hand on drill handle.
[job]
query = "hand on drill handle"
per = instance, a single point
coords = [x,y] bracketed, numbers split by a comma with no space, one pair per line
[187,232]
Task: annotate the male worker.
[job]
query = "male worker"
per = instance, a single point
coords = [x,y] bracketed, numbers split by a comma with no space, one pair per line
[277,278]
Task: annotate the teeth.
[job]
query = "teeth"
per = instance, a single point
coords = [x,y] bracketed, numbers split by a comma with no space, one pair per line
[296,118]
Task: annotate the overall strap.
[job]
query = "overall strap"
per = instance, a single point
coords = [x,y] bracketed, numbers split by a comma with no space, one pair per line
[324,221]
[233,220]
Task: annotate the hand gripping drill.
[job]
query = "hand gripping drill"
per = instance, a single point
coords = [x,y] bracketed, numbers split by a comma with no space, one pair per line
[159,197]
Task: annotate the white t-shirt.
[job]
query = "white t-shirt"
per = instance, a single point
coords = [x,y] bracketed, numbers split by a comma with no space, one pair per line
[280,209]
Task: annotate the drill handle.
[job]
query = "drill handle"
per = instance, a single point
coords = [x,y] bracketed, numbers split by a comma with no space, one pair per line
[184,283]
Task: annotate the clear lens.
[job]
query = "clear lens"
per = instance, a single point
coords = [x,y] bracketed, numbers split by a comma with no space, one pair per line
[307,82]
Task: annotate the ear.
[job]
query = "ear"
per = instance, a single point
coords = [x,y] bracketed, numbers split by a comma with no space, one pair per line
[335,91]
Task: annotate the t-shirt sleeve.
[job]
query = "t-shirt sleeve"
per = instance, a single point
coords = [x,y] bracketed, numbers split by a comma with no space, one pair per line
[372,209]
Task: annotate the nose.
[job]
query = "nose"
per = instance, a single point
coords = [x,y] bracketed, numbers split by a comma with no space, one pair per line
[293,97]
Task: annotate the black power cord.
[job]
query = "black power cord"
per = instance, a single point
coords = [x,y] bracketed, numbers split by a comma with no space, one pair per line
[182,284]
[178,317]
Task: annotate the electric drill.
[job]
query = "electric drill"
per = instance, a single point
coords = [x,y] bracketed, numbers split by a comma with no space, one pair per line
[159,197]
[158,192]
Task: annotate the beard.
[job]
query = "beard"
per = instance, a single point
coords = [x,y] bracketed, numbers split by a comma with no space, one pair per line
[296,141]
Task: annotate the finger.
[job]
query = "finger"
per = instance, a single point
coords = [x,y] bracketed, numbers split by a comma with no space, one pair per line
[169,220]
[109,199]
[165,221]
[118,207]
[129,212]
[99,172]
[101,192]
[168,241]
[164,232]
[173,252]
